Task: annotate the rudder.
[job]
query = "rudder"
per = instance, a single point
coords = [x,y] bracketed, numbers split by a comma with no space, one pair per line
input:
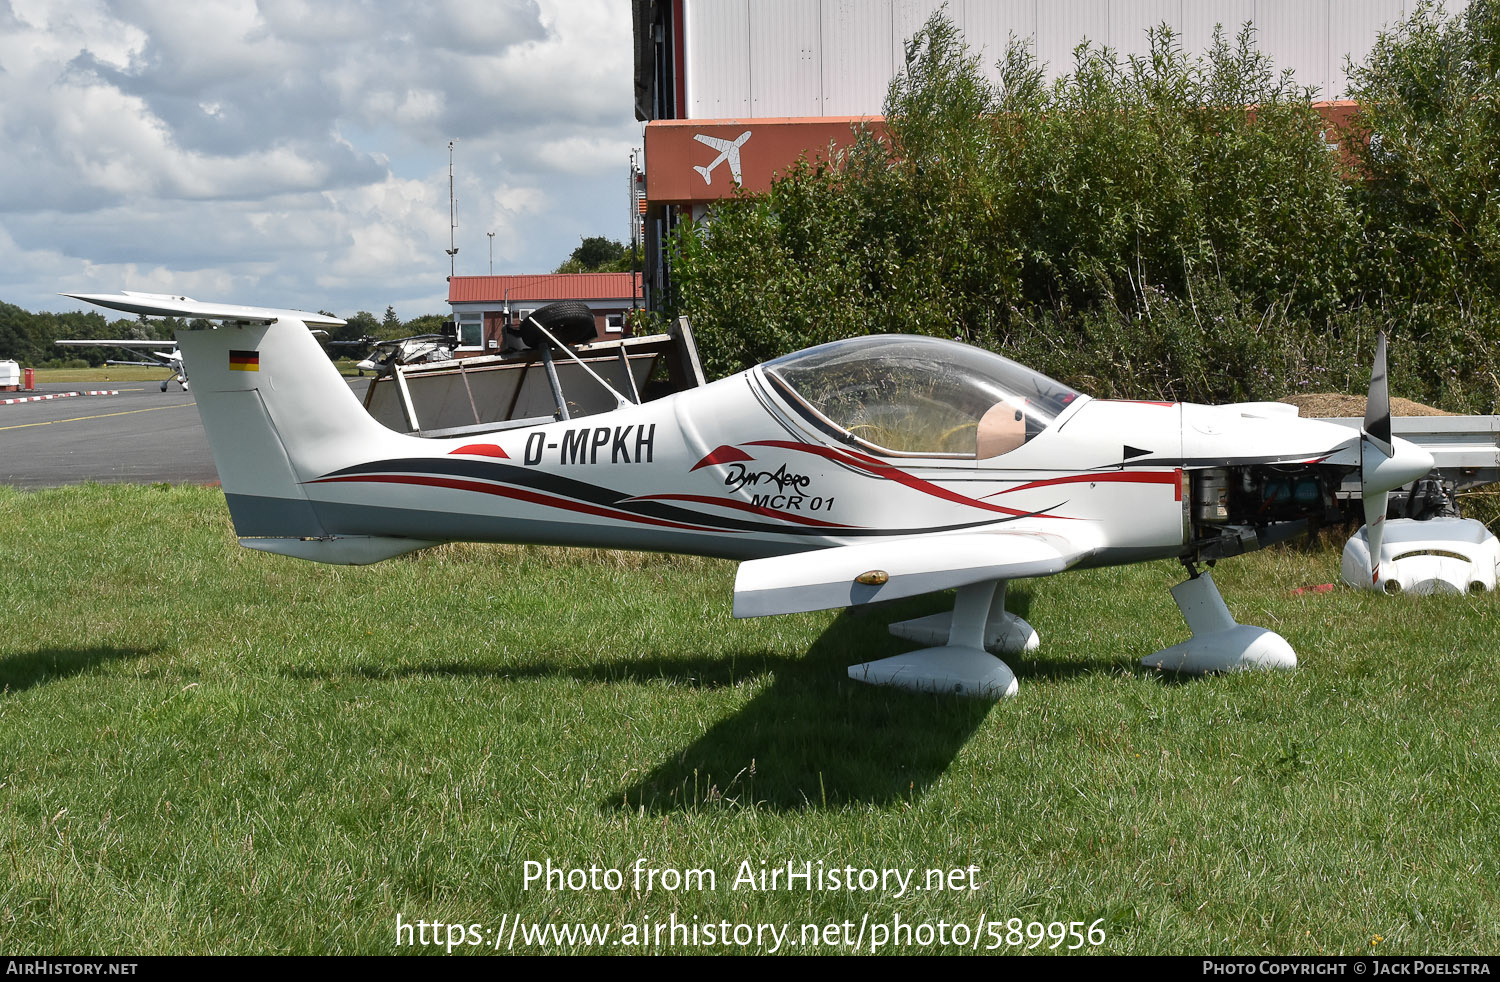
[277,413]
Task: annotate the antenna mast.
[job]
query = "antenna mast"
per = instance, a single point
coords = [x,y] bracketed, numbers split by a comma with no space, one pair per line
[452,217]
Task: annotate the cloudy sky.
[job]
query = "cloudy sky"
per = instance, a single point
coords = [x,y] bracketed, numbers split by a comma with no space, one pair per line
[295,152]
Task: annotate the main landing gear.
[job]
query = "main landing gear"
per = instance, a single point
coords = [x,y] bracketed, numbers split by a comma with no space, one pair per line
[962,663]
[968,638]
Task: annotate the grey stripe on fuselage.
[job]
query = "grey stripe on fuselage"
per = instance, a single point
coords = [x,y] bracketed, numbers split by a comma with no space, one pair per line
[255,515]
[349,519]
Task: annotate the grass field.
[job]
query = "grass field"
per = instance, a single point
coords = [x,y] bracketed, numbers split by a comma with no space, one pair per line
[206,749]
[104,373]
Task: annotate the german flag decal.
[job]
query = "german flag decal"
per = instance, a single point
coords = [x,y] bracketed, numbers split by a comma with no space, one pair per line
[244,361]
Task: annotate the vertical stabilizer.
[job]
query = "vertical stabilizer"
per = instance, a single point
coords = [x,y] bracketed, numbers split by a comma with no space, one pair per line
[277,413]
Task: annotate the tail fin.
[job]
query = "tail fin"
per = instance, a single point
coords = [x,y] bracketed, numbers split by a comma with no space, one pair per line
[704,172]
[277,413]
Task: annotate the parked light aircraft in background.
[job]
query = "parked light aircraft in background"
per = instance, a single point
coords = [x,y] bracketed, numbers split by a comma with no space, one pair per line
[729,151]
[385,355]
[170,359]
[858,471]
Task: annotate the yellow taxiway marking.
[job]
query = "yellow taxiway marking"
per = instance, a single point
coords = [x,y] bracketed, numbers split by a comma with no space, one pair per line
[79,419]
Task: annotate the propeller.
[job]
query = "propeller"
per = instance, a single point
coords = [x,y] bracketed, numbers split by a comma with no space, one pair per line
[1385,463]
[1375,448]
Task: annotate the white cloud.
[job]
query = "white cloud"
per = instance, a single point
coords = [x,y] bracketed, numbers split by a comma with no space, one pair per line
[294,151]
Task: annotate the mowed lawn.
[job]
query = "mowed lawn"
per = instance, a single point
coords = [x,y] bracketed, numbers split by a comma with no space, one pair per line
[103,373]
[208,749]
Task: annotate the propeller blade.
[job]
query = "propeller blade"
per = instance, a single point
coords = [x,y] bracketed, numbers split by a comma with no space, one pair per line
[1378,403]
[1375,448]
[1375,503]
[1384,463]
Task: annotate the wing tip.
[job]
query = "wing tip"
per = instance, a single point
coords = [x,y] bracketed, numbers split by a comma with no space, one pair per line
[173,305]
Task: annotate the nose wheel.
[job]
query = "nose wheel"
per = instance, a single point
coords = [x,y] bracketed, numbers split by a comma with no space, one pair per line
[1218,644]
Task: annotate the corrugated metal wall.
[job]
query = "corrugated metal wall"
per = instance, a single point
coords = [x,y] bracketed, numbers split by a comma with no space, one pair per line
[759,58]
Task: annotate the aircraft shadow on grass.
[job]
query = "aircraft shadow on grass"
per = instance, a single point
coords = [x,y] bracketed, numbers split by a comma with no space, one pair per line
[29,669]
[814,738]
[811,738]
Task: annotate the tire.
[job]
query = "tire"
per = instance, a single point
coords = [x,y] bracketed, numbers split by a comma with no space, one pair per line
[570,321]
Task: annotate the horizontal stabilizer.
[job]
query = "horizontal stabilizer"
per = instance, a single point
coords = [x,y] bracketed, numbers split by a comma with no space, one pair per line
[164,305]
[868,572]
[116,343]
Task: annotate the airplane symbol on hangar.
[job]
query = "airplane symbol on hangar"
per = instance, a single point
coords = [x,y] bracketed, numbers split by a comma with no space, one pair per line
[729,150]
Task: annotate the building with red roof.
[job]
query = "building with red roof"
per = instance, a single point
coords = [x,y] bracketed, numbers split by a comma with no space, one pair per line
[483,305]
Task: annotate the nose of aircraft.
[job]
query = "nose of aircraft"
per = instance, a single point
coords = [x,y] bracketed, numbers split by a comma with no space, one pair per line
[1407,462]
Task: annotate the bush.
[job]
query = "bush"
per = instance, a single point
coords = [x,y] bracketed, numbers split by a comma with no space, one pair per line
[1427,138]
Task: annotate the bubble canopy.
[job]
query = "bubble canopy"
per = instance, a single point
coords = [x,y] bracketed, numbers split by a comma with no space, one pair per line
[909,394]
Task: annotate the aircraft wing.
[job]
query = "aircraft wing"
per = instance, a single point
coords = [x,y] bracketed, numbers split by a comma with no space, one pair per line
[164,305]
[909,566]
[713,141]
[117,343]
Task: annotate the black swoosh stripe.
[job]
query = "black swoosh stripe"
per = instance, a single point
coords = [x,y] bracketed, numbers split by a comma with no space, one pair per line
[606,497]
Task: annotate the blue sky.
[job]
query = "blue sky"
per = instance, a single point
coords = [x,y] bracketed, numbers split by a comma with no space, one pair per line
[295,152]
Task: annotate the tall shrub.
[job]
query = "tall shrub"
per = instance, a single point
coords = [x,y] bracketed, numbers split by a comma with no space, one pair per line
[1427,139]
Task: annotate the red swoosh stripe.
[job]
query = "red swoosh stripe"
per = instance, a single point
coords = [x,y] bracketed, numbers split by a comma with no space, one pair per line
[481,450]
[723,455]
[890,473]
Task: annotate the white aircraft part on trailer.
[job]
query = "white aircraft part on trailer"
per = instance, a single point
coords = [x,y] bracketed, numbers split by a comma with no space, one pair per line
[1438,555]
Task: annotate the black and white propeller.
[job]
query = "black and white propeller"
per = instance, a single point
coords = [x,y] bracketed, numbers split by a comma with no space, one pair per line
[1384,462]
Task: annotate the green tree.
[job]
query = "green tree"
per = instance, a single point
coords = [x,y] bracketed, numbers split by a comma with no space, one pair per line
[426,324]
[362,324]
[22,338]
[1427,142]
[597,254]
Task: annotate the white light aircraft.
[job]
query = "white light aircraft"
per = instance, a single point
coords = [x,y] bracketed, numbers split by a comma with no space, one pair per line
[415,350]
[171,359]
[729,150]
[863,470]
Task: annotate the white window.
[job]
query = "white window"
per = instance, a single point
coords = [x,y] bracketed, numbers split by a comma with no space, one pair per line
[614,323]
[471,330]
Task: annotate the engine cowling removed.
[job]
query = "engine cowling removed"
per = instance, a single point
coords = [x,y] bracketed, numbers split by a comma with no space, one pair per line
[1234,510]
